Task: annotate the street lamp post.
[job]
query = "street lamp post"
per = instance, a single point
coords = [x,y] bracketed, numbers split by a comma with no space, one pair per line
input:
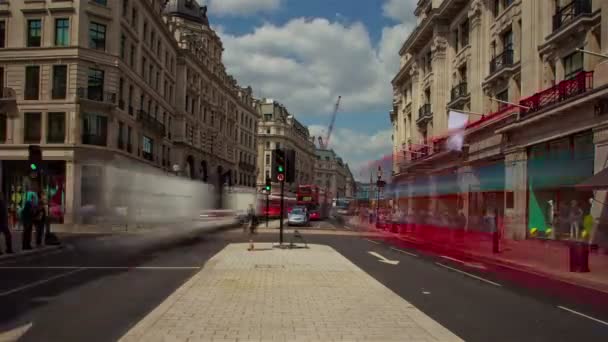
[379,186]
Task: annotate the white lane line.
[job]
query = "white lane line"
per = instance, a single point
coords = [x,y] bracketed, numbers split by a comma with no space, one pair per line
[100,267]
[583,315]
[372,241]
[453,259]
[404,252]
[40,282]
[468,274]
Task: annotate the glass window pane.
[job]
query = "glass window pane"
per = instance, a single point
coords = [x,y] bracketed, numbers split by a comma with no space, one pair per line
[2,34]
[34,32]
[32,82]
[60,75]
[62,32]
[32,127]
[97,36]
[56,128]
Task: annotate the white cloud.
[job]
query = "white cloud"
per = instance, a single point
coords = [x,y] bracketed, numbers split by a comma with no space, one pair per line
[359,149]
[400,10]
[241,7]
[307,63]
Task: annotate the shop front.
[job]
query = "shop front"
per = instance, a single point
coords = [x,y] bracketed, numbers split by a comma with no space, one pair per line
[16,182]
[486,195]
[556,209]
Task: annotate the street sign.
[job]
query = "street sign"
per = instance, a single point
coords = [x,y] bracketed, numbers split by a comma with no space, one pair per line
[281,177]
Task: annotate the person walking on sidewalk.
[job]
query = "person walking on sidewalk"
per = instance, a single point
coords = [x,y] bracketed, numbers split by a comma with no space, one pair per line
[29,213]
[4,229]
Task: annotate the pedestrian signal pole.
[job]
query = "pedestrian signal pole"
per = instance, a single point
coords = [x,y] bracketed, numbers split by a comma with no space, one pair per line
[267,190]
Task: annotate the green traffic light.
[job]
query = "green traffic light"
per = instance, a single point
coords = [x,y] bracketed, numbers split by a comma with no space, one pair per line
[33,167]
[281,168]
[267,188]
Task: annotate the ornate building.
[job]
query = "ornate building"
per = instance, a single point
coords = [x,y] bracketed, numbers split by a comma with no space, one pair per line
[279,129]
[534,100]
[137,83]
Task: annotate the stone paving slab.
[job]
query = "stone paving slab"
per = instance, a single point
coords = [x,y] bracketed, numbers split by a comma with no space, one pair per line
[270,294]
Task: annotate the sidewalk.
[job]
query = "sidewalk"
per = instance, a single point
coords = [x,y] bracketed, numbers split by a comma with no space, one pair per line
[285,295]
[17,236]
[547,258]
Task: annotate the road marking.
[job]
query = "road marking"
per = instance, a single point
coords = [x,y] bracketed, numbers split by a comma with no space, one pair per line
[583,315]
[453,259]
[383,259]
[100,267]
[468,274]
[372,241]
[40,282]
[404,252]
[15,333]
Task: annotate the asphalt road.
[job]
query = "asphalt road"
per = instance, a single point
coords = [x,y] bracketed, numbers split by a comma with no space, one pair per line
[101,287]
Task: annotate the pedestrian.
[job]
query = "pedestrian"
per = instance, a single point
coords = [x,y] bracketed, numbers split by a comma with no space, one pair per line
[40,219]
[576,217]
[4,228]
[252,225]
[30,210]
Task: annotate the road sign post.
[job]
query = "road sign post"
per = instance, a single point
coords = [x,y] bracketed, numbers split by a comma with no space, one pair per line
[267,206]
[281,219]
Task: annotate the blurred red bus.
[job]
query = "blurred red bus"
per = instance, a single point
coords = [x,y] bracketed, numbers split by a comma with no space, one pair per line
[315,200]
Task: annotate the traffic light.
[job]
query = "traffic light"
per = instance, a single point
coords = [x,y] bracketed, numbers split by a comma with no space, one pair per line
[278,165]
[35,159]
[268,184]
[290,161]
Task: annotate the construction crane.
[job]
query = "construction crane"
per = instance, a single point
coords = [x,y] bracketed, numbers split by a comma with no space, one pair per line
[325,144]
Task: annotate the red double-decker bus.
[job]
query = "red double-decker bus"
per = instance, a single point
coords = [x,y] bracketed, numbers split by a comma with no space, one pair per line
[315,200]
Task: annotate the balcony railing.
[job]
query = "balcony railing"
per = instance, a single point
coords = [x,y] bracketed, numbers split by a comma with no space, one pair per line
[94,139]
[149,122]
[564,15]
[419,153]
[505,59]
[459,91]
[579,84]
[424,113]
[95,94]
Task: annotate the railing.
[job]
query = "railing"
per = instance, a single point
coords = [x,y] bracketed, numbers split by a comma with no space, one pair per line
[148,121]
[96,94]
[58,93]
[508,109]
[459,91]
[94,139]
[571,11]
[425,111]
[562,91]
[419,153]
[503,60]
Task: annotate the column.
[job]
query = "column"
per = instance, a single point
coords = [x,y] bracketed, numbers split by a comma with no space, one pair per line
[464,184]
[440,84]
[477,61]
[72,192]
[599,210]
[516,181]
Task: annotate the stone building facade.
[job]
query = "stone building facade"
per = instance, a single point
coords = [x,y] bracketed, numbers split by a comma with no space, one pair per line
[333,175]
[535,103]
[279,129]
[133,83]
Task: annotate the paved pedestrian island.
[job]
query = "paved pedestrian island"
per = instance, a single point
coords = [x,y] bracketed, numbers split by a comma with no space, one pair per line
[285,295]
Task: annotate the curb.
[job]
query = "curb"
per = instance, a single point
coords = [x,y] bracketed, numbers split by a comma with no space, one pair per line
[29,254]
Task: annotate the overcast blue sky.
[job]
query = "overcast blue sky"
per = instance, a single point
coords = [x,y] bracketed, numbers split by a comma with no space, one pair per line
[305,53]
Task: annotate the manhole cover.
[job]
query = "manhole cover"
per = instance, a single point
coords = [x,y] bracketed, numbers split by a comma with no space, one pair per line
[269,266]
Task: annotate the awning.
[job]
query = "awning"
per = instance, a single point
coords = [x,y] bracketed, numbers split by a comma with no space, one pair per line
[599,181]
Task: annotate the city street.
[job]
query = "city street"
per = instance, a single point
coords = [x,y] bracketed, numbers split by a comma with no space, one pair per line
[98,288]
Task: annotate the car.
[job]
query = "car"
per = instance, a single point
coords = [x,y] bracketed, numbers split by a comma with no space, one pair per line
[298,217]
